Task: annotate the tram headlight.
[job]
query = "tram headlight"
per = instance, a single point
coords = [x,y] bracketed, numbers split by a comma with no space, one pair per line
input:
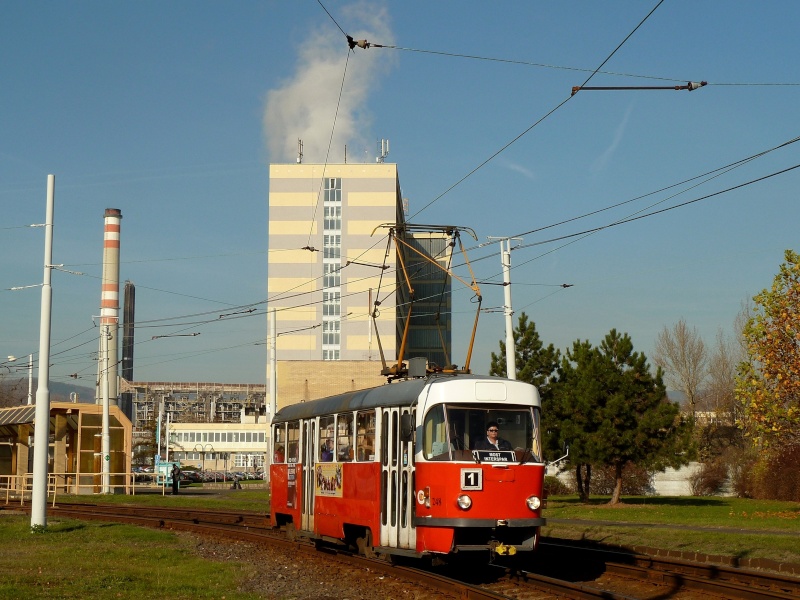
[464,502]
[533,502]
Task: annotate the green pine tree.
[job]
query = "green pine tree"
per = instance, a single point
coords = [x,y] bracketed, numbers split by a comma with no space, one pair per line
[613,411]
[535,363]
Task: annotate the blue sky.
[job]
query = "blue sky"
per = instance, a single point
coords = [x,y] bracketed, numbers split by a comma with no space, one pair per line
[173,111]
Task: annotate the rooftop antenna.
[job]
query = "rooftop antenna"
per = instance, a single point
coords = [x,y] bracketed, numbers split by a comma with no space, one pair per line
[299,151]
[384,150]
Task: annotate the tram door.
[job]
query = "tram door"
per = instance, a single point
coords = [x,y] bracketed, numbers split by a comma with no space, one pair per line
[308,456]
[397,483]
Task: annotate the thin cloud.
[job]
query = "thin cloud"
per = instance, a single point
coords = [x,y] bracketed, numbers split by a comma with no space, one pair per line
[518,168]
[601,162]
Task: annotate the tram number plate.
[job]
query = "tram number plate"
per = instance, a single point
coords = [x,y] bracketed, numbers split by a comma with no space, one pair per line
[471,479]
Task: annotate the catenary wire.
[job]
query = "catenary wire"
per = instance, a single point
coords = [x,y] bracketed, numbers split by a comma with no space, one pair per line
[550,112]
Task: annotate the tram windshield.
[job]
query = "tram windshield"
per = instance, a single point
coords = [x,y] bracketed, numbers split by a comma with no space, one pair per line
[456,432]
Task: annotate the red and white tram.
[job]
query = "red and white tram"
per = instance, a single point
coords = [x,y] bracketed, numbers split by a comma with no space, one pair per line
[394,469]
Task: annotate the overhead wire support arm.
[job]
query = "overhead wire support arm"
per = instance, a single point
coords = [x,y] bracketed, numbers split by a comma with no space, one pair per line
[692,85]
[158,337]
[363,44]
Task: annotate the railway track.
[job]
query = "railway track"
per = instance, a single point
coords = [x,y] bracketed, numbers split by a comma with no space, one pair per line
[702,577]
[588,573]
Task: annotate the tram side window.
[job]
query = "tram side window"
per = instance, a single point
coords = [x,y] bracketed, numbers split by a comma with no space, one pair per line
[344,438]
[326,436]
[365,442]
[435,446]
[293,442]
[279,443]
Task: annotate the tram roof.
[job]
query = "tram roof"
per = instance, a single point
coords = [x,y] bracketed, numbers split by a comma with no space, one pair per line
[401,393]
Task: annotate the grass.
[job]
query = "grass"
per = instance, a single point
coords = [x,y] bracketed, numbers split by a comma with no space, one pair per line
[75,559]
[251,499]
[696,511]
[719,526]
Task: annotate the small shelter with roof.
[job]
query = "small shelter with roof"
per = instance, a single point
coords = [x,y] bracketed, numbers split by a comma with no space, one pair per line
[75,441]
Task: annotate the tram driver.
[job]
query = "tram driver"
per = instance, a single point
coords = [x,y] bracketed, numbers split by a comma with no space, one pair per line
[492,441]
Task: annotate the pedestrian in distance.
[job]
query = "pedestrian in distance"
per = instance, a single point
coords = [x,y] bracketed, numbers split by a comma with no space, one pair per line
[176,477]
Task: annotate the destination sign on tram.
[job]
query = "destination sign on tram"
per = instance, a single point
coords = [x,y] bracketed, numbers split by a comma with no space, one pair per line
[494,456]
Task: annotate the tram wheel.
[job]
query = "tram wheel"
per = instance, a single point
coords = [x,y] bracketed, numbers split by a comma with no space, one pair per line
[364,545]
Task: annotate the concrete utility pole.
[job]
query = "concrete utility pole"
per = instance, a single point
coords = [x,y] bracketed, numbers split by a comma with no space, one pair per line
[41,440]
[166,446]
[511,351]
[273,368]
[30,379]
[106,439]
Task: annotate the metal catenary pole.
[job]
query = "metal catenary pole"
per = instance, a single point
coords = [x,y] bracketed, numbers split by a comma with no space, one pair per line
[41,449]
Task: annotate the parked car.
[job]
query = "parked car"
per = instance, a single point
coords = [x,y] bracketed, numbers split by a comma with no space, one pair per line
[194,476]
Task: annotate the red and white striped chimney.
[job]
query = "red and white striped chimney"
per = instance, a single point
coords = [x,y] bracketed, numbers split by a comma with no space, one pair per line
[109,308]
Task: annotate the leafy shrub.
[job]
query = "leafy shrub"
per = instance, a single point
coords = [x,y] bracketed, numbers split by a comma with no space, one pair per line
[743,480]
[553,486]
[709,479]
[776,475]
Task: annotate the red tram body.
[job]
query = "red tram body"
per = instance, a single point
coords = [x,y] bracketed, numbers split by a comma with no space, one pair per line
[395,469]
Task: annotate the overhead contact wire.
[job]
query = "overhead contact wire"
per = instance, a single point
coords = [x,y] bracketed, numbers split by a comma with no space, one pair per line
[526,131]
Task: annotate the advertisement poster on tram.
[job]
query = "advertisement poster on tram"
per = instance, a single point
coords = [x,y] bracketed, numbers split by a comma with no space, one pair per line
[329,480]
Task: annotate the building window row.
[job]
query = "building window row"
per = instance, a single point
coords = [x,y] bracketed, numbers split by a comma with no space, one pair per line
[238,459]
[333,218]
[331,333]
[332,246]
[332,276]
[331,304]
[333,190]
[224,437]
[331,261]
[245,460]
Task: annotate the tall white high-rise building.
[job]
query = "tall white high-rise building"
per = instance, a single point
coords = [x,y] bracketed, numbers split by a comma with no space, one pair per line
[330,262]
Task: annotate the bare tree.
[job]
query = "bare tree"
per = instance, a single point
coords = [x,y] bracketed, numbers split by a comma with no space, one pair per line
[682,355]
[11,391]
[740,353]
[718,396]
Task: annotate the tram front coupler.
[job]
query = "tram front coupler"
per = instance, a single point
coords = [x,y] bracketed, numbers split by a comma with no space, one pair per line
[497,548]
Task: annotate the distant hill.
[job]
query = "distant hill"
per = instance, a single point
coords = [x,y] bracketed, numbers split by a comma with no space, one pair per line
[60,392]
[17,389]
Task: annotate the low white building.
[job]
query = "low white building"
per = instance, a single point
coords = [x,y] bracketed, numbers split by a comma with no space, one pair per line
[221,446]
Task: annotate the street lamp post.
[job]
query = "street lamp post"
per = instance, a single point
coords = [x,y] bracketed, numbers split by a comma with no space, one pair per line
[29,367]
[203,448]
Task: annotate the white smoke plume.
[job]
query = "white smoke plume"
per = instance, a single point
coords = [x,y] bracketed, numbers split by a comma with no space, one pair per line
[304,107]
